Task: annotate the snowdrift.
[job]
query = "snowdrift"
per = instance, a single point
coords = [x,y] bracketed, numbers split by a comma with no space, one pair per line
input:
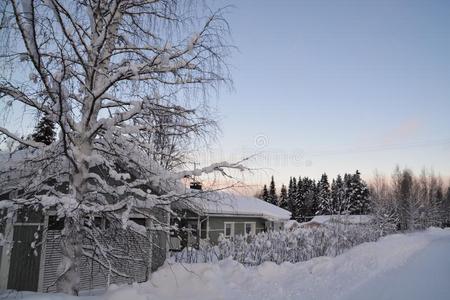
[318,278]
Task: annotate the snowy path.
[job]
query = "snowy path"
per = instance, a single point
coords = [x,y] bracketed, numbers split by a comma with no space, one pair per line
[425,276]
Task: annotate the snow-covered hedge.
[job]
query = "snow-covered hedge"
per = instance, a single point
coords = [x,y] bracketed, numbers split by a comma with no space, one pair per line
[282,246]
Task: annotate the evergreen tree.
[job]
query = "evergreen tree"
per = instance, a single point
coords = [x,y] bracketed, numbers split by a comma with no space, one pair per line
[265,194]
[273,199]
[326,206]
[44,131]
[359,195]
[300,206]
[292,197]
[306,204]
[310,198]
[283,200]
[315,203]
[348,201]
[338,195]
[289,191]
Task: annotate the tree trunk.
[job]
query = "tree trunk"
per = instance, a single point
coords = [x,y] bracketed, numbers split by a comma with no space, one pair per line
[71,236]
[71,245]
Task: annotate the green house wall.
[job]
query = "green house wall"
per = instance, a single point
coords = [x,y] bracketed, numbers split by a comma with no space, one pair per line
[217,226]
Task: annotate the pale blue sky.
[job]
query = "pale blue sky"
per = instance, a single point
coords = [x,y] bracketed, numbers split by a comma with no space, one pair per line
[318,78]
[334,86]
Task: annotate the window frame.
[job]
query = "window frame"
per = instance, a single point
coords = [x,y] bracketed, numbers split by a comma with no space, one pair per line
[231,229]
[252,229]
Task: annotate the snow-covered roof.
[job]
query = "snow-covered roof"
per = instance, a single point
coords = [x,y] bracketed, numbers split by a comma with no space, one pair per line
[11,158]
[8,171]
[224,203]
[343,219]
[208,202]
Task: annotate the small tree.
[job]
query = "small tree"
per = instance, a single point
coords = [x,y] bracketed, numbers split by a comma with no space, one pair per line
[338,195]
[359,194]
[292,197]
[273,198]
[44,131]
[265,194]
[283,200]
[326,205]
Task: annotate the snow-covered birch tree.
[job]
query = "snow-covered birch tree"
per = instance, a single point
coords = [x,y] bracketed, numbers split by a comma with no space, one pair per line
[121,80]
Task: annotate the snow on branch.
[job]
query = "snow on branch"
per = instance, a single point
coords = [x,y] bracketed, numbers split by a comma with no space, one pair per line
[127,87]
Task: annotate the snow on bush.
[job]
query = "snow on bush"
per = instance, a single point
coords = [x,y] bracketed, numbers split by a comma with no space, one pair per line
[293,246]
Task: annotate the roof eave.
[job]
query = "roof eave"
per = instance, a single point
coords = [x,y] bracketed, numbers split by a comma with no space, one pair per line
[248,215]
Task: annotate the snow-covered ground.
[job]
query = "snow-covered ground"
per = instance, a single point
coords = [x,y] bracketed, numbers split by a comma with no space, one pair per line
[425,276]
[395,267]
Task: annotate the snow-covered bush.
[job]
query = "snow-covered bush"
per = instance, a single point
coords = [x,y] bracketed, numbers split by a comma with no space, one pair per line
[283,246]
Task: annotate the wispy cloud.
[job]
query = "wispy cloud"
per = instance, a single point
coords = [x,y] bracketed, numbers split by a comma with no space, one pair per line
[405,131]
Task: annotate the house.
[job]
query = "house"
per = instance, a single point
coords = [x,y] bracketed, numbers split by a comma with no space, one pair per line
[30,250]
[30,245]
[27,268]
[227,214]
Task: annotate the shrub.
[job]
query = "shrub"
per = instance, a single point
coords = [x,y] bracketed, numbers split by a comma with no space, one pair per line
[292,246]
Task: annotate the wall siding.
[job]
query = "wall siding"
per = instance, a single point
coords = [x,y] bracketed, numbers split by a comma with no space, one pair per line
[94,275]
[217,224]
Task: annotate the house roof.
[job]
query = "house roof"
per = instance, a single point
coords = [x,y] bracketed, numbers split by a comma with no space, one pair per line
[8,159]
[343,219]
[207,202]
[229,204]
[8,171]
[329,220]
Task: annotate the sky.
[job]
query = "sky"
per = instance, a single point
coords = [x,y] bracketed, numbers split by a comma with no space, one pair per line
[335,86]
[332,86]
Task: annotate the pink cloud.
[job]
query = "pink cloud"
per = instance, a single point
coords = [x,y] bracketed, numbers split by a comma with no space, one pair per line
[406,130]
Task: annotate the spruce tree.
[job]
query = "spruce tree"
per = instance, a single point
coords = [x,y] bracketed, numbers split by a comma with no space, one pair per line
[359,195]
[289,191]
[44,131]
[292,198]
[273,199]
[348,202]
[324,196]
[265,194]
[283,200]
[338,195]
[315,206]
[310,198]
[300,201]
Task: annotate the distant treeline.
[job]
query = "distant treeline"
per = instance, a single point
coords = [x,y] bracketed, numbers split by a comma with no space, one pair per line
[404,202]
[305,197]
[411,202]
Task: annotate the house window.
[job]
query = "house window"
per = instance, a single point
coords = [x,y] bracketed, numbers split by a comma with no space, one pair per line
[229,229]
[250,228]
